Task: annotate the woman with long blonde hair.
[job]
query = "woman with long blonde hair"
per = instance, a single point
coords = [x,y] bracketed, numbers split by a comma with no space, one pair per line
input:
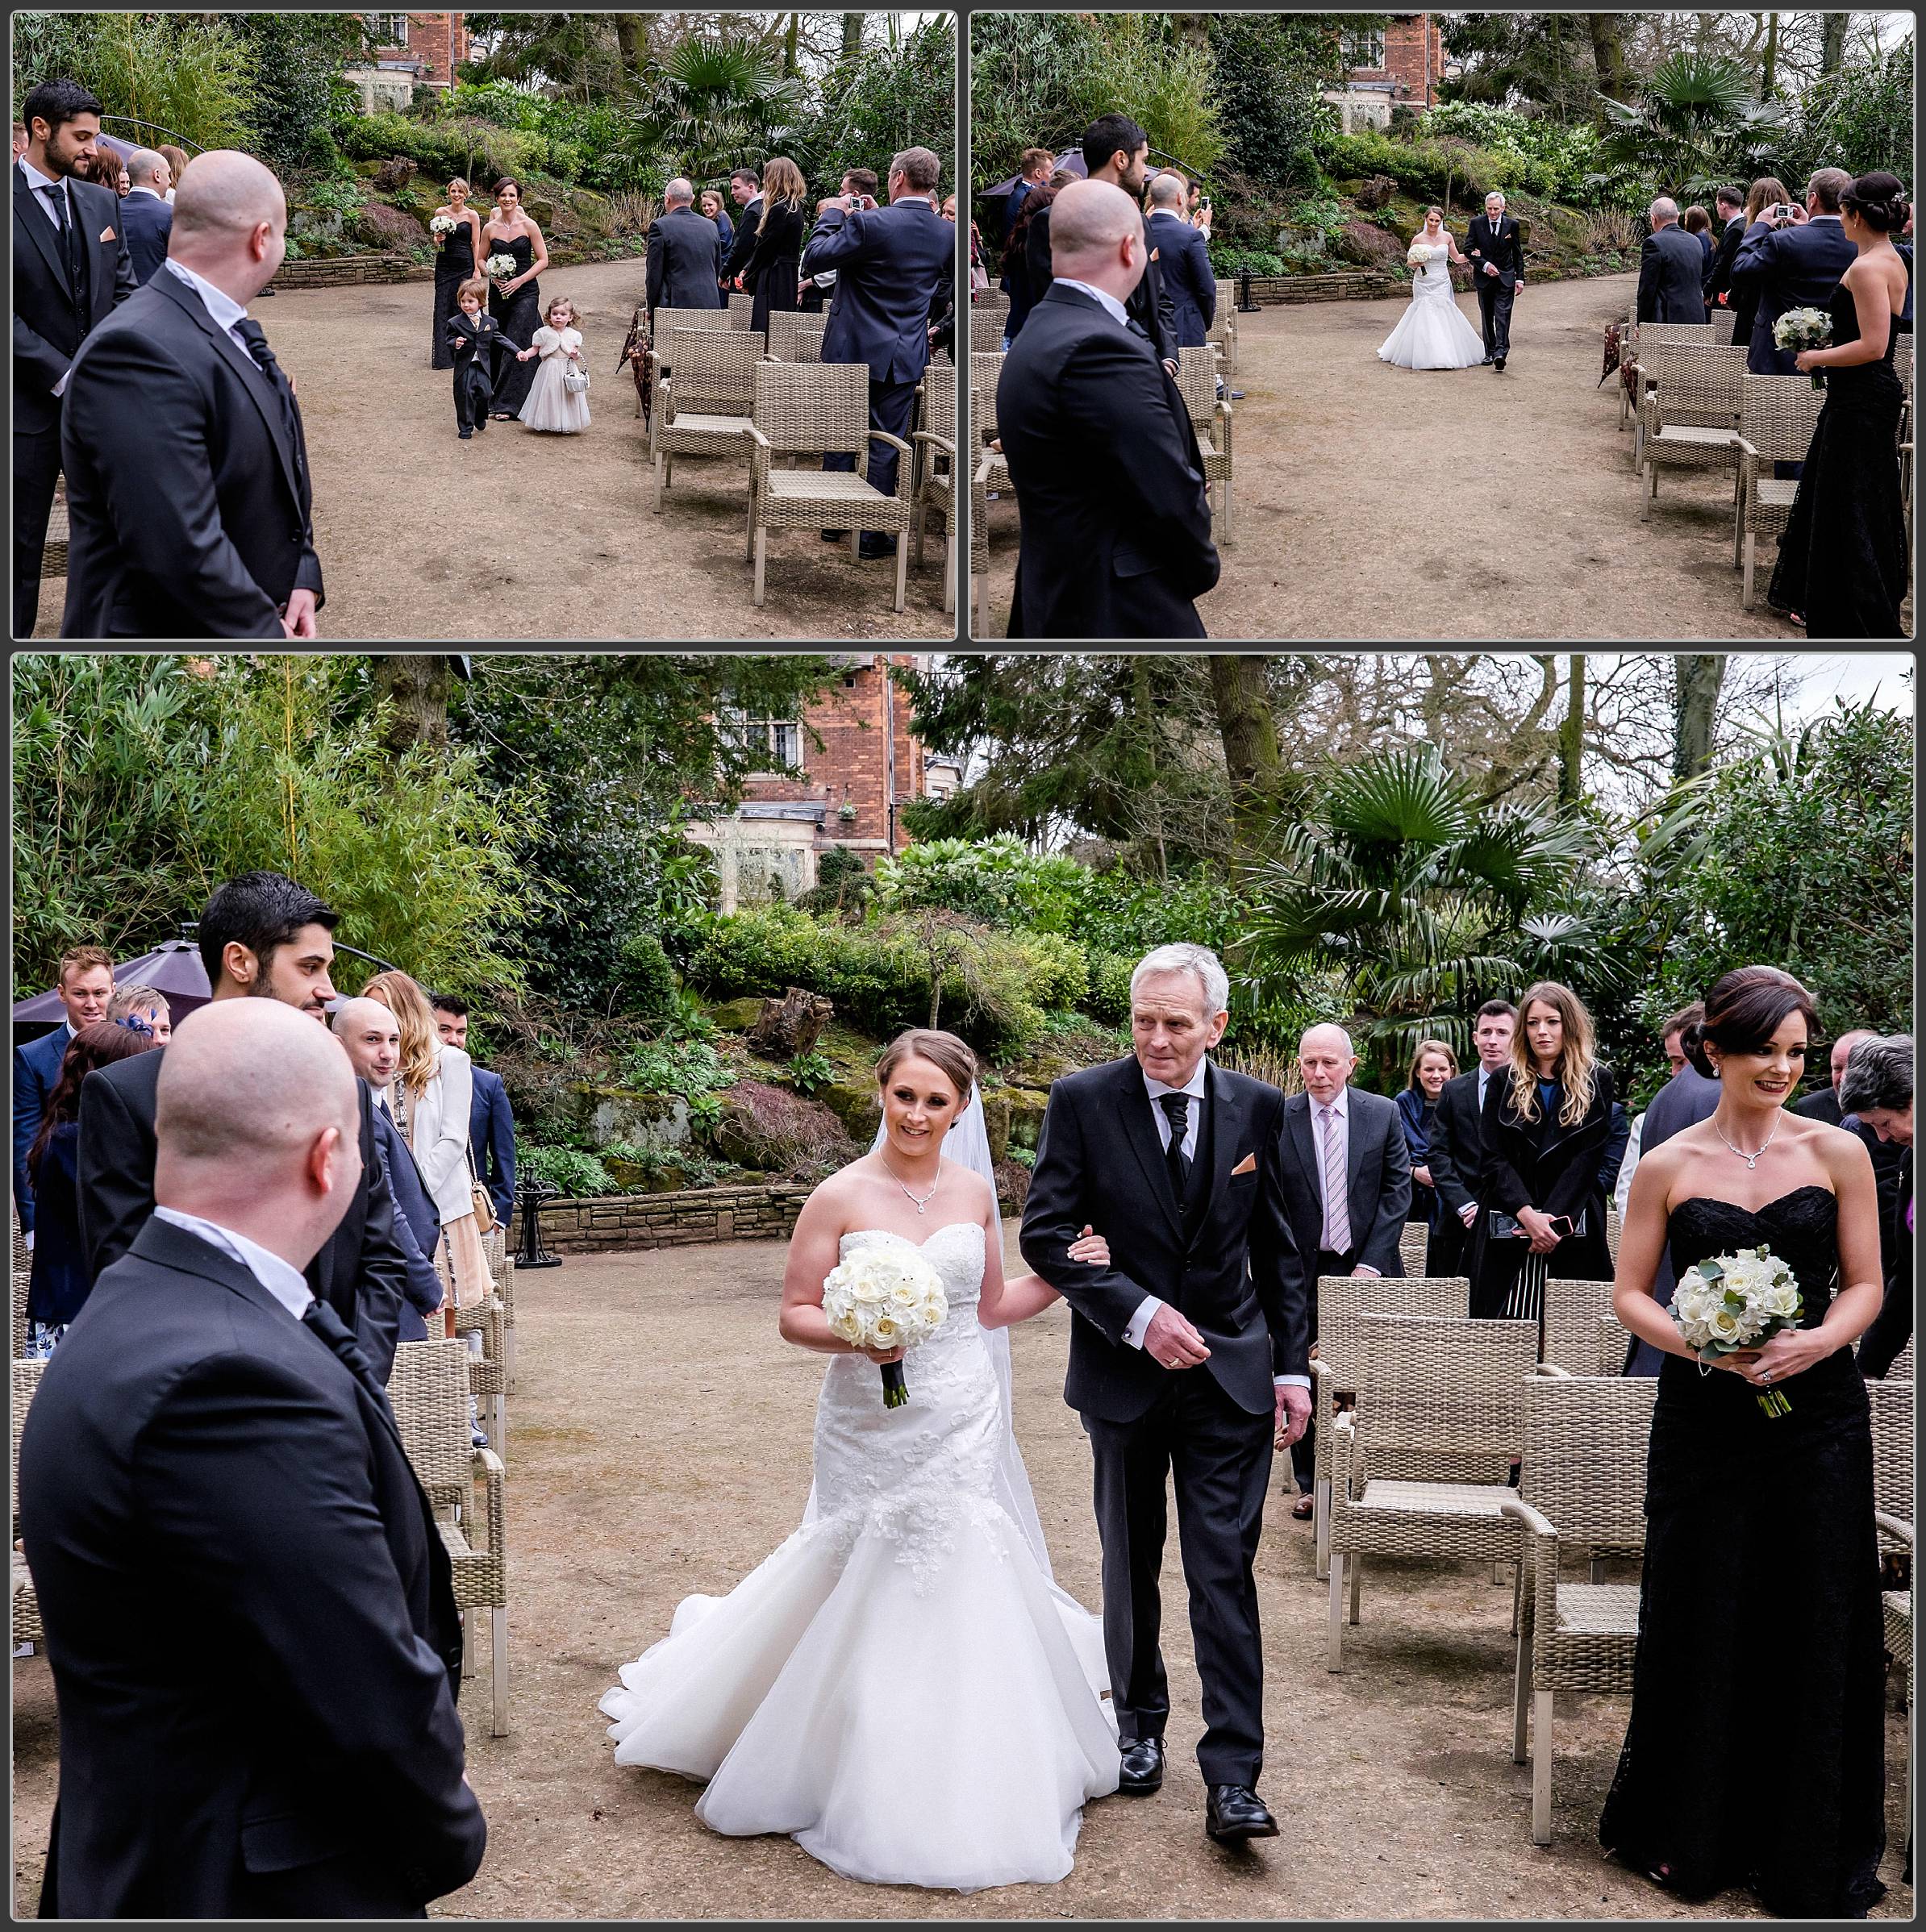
[1767,192]
[774,268]
[1547,1129]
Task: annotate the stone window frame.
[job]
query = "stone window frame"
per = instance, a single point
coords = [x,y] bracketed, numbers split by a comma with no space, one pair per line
[378,23]
[775,735]
[1366,51]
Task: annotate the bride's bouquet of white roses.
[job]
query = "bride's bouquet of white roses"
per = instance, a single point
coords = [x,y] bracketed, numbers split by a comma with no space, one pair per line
[441,227]
[499,268]
[1805,329]
[885,1297]
[1738,1300]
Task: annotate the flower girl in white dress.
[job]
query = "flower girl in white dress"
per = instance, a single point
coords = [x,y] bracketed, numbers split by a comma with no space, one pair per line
[551,405]
[1433,333]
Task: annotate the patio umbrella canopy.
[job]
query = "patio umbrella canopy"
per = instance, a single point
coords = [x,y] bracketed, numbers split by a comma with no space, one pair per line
[1070,161]
[173,968]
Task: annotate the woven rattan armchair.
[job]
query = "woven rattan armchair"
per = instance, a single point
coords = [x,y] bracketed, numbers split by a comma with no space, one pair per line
[936,473]
[428,1393]
[1440,1420]
[1722,321]
[1614,1344]
[1892,1404]
[1583,1483]
[1689,417]
[500,1266]
[22,1281]
[1341,1299]
[703,405]
[740,310]
[1777,416]
[1902,1368]
[985,372]
[662,324]
[1572,1310]
[979,546]
[26,1605]
[1210,419]
[1221,334]
[989,318]
[1645,340]
[795,335]
[823,409]
[488,1371]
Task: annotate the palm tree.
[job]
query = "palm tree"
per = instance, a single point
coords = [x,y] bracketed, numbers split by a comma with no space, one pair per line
[716,103]
[1423,900]
[1697,122]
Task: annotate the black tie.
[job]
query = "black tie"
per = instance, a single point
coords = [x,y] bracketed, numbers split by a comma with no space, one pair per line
[1177,1110]
[256,337]
[63,219]
[336,1333]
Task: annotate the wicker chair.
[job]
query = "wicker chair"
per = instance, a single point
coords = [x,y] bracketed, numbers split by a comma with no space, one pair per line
[1777,416]
[1413,1243]
[1583,1482]
[1893,1453]
[501,1265]
[935,475]
[821,409]
[27,1605]
[662,324]
[1902,1368]
[428,1393]
[1614,1344]
[795,336]
[1221,334]
[488,1372]
[1422,1464]
[1689,418]
[1210,419]
[22,1281]
[740,310]
[1647,338]
[1572,1310]
[1722,325]
[1341,1299]
[703,404]
[988,317]
[985,372]
[979,544]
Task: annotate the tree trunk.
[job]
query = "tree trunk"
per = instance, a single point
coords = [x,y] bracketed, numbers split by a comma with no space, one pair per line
[417,688]
[1571,738]
[1769,72]
[1832,48]
[1608,50]
[792,60]
[1241,686]
[632,43]
[1697,680]
[852,35]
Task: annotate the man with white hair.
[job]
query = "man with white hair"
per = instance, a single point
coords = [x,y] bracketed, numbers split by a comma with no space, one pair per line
[1496,249]
[1173,1159]
[1346,1177]
[1115,524]
[1671,269]
[273,1734]
[145,214]
[179,384]
[685,254]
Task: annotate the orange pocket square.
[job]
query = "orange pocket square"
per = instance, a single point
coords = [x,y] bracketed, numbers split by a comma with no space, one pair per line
[107,235]
[1247,1165]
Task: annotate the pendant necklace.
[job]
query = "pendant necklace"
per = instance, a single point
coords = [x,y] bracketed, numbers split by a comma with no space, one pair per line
[1751,1160]
[922,1203]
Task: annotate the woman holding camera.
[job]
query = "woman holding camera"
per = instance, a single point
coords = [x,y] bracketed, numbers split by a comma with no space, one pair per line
[1545,1127]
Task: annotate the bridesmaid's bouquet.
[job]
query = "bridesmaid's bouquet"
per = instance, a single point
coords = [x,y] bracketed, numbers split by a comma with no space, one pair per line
[441,227]
[499,268]
[885,1297]
[1738,1300]
[1805,329]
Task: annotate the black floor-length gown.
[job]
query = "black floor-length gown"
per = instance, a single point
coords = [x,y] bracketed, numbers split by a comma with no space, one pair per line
[1755,1754]
[776,266]
[521,316]
[1842,561]
[454,265]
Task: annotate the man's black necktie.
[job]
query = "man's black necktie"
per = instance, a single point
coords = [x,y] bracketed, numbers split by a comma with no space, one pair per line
[256,337]
[1177,1110]
[336,1333]
[63,218]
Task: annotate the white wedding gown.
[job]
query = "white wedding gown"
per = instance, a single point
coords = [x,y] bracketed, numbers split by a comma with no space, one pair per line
[1433,333]
[900,1687]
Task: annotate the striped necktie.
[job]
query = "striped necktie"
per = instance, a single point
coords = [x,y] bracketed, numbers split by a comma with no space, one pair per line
[1337,1214]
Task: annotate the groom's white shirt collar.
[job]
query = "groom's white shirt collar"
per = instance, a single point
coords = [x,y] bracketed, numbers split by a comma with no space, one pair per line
[1114,307]
[282,1278]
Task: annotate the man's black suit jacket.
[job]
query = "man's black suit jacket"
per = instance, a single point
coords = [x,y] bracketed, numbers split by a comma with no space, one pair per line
[249,1612]
[1456,1143]
[890,264]
[1230,1267]
[360,1271]
[684,261]
[1183,260]
[160,391]
[1671,276]
[1502,246]
[1149,304]
[1377,1177]
[1115,525]
[1891,1161]
[743,245]
[1719,270]
[1797,267]
[49,322]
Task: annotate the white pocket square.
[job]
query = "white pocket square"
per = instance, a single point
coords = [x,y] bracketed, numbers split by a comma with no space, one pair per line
[1247,1165]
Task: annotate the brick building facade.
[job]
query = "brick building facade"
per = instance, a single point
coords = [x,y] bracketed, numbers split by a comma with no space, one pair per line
[1399,65]
[409,51]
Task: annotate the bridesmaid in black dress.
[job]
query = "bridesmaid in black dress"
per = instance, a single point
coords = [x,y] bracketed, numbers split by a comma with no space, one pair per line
[455,263]
[1755,1755]
[516,304]
[1843,559]
[775,266]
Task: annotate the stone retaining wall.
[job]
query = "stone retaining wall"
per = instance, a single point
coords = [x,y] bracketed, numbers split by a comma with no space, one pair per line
[694,1214]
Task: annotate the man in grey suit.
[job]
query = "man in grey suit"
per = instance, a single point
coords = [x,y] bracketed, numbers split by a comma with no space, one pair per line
[1346,1171]
[1671,269]
[685,254]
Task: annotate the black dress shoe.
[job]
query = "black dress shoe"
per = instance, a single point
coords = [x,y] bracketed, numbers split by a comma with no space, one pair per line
[872,544]
[1498,363]
[1233,1812]
[1143,1768]
[835,536]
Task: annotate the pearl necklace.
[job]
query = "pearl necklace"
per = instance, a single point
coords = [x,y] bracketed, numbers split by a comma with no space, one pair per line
[1751,1160]
[923,1202]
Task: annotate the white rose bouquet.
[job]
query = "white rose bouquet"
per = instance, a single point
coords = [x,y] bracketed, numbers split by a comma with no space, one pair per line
[1738,1300]
[1805,329]
[441,227]
[885,1297]
[499,267]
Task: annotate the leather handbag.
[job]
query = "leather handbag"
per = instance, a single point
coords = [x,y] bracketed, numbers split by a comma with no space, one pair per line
[485,1207]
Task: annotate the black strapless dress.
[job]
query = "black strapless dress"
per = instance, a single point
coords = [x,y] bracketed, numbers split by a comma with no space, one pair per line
[521,316]
[1842,559]
[454,265]
[1755,1755]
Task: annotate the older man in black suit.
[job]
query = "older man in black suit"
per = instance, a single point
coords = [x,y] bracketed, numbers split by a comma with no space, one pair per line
[1796,261]
[685,254]
[1115,525]
[1671,269]
[1495,248]
[180,383]
[71,268]
[248,1608]
[260,936]
[889,263]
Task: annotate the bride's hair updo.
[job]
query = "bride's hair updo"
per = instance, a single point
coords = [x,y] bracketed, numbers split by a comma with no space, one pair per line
[1434,209]
[942,1050]
[1744,1010]
[1879,201]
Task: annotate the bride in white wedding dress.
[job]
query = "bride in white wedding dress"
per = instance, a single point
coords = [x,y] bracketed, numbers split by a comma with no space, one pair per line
[899,1686]
[1433,333]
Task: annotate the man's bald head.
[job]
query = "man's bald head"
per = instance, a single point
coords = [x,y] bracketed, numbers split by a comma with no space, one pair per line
[145,168]
[679,193]
[1096,236]
[1326,1059]
[1166,191]
[371,1035]
[230,222]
